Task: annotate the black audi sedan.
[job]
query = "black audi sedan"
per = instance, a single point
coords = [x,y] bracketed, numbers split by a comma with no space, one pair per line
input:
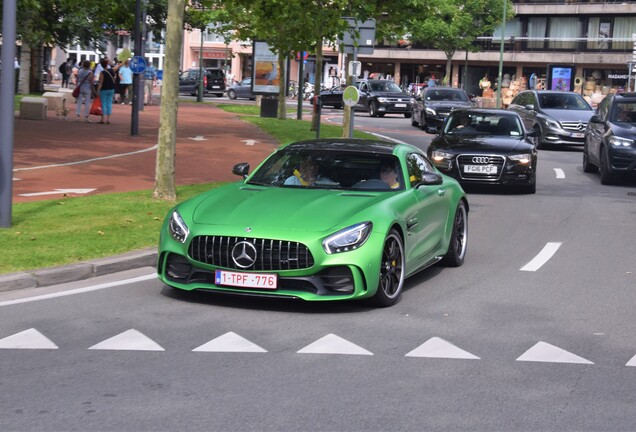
[434,104]
[487,147]
[610,139]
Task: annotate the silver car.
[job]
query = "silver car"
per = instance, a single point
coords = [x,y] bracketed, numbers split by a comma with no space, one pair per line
[558,117]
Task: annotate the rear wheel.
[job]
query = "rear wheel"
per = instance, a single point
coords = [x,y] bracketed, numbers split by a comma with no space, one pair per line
[391,271]
[458,242]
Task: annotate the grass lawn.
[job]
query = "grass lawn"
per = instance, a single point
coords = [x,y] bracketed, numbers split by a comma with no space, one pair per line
[54,232]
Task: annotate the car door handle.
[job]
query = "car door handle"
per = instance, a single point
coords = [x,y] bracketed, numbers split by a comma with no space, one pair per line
[441,192]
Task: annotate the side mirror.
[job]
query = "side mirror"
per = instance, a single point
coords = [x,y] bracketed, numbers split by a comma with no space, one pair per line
[533,133]
[529,107]
[596,119]
[430,179]
[241,169]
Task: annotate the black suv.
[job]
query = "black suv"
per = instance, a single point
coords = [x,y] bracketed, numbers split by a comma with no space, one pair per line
[558,117]
[380,97]
[433,105]
[213,81]
[610,138]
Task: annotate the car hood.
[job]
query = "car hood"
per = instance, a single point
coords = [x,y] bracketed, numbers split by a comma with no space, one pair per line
[293,208]
[481,144]
[624,130]
[569,115]
[404,96]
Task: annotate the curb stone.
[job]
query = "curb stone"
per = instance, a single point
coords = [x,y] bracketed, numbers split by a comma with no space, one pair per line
[80,271]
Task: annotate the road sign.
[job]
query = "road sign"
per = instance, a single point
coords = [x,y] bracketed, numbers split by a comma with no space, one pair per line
[355,68]
[351,96]
[137,65]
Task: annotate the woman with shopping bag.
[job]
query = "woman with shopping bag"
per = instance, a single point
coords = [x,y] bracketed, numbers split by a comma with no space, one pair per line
[106,89]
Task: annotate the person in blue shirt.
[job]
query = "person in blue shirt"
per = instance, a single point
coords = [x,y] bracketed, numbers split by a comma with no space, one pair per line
[150,82]
[125,82]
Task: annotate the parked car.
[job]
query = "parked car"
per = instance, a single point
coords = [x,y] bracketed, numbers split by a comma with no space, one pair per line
[332,97]
[559,117]
[433,104]
[487,147]
[380,97]
[241,89]
[318,220]
[214,81]
[610,139]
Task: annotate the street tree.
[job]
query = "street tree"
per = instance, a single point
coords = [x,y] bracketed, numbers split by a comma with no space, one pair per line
[454,25]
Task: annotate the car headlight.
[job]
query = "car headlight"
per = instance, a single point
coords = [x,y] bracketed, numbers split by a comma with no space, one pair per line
[553,123]
[523,158]
[620,142]
[431,111]
[382,99]
[347,239]
[178,228]
[438,155]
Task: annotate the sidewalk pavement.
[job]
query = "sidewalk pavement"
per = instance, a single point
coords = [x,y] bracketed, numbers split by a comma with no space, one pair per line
[58,157]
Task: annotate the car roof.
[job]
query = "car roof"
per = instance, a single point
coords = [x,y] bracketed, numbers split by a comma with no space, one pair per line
[345,144]
[626,95]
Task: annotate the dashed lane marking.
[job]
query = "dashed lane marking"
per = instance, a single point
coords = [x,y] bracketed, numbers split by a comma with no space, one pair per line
[544,352]
[28,339]
[130,340]
[559,173]
[543,257]
[332,344]
[229,342]
[439,348]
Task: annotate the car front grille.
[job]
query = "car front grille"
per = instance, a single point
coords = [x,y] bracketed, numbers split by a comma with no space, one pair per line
[266,254]
[480,159]
[574,126]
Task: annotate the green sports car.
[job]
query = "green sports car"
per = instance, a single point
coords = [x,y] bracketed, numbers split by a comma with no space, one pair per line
[327,219]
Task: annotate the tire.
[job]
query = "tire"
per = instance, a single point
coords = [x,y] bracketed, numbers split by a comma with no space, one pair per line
[587,166]
[414,122]
[373,109]
[529,189]
[391,271]
[605,171]
[407,115]
[219,94]
[457,245]
[540,144]
[231,94]
[337,106]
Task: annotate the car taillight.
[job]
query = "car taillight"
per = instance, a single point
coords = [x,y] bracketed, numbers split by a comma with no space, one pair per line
[205,81]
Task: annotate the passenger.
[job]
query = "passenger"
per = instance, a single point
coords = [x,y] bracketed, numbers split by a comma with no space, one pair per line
[464,126]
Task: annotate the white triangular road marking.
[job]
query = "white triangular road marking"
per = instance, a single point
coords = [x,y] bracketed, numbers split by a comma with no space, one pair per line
[229,342]
[28,339]
[544,352]
[130,340]
[332,344]
[632,362]
[438,348]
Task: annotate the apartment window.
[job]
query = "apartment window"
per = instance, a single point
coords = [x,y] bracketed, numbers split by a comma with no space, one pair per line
[598,33]
[623,29]
[513,28]
[537,27]
[563,32]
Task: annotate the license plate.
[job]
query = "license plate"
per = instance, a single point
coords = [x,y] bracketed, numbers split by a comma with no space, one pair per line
[578,135]
[480,169]
[216,86]
[400,105]
[246,280]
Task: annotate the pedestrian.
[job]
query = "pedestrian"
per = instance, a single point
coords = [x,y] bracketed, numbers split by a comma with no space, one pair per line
[85,79]
[125,83]
[150,81]
[65,70]
[106,88]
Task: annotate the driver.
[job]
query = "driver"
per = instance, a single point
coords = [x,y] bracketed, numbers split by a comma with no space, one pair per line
[305,175]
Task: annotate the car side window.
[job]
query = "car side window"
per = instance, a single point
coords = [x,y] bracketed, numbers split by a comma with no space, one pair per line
[417,165]
[604,106]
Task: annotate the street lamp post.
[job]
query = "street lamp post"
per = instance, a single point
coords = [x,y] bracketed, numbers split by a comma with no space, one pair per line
[501,51]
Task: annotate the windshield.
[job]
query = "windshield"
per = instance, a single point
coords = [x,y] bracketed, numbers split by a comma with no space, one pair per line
[470,123]
[624,112]
[385,86]
[330,170]
[567,101]
[446,95]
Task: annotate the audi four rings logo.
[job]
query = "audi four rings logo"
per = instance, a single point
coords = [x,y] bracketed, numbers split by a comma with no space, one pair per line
[244,254]
[481,159]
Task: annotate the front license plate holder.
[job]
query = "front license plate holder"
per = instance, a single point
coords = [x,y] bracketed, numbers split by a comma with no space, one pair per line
[480,169]
[267,281]
[400,105]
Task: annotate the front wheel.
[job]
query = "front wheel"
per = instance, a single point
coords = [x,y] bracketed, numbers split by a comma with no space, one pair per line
[605,171]
[373,109]
[587,166]
[458,240]
[231,94]
[391,271]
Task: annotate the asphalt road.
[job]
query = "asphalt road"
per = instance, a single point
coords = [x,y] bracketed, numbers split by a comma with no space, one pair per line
[534,332]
